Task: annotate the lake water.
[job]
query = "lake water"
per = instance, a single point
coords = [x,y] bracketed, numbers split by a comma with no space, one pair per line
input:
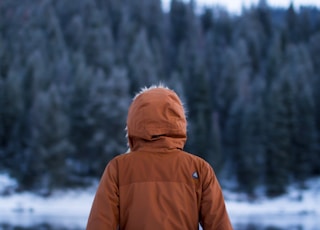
[33,221]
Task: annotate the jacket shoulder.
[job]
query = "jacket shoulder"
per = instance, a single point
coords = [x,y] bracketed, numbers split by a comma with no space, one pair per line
[195,158]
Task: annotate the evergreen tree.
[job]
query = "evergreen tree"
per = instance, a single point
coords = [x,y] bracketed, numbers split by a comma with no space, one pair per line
[280,109]
[179,22]
[73,33]
[12,112]
[275,58]
[207,21]
[292,24]
[252,140]
[108,103]
[231,142]
[142,65]
[119,98]
[305,24]
[200,116]
[98,40]
[148,14]
[234,78]
[46,168]
[299,68]
[80,129]
[314,50]
[2,111]
[253,28]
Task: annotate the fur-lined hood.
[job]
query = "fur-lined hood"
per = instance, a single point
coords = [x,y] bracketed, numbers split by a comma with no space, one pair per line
[156,120]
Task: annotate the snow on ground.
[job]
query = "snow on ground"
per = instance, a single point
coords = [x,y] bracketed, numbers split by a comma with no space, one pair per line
[298,209]
[295,202]
[75,202]
[71,208]
[65,208]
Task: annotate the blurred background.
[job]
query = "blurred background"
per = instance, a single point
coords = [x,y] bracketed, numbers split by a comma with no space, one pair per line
[249,79]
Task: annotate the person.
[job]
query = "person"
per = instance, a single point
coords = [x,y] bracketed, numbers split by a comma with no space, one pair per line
[157,185]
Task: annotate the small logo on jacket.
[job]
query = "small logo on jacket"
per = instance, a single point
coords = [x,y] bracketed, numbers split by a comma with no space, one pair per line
[195,175]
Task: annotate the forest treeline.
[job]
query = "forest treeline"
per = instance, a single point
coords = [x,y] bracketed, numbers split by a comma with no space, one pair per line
[250,84]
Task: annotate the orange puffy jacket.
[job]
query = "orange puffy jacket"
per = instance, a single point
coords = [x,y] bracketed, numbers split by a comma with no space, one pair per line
[157,185]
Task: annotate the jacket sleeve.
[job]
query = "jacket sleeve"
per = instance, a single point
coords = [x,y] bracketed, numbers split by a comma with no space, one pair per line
[104,212]
[213,213]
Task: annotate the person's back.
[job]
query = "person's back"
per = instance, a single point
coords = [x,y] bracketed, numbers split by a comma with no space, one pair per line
[158,185]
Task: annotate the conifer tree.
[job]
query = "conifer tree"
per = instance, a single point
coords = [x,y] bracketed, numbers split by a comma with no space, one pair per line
[80,130]
[12,112]
[142,65]
[280,109]
[299,68]
[292,24]
[251,158]
[50,146]
[98,40]
[314,50]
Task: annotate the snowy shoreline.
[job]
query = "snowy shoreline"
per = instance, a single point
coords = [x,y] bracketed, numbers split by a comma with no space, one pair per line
[78,203]
[71,208]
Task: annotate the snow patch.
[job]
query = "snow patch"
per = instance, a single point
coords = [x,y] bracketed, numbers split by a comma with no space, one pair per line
[72,207]
[7,184]
[295,202]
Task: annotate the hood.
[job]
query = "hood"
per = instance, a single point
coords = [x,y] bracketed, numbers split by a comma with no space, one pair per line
[156,120]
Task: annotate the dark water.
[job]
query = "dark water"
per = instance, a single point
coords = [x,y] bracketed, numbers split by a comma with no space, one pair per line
[262,222]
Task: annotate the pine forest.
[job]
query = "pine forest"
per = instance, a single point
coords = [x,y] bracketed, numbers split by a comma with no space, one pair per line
[69,69]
